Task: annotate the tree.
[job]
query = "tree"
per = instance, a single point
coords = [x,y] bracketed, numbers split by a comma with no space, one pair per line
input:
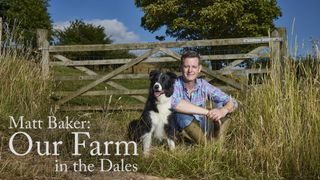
[209,19]
[27,15]
[80,32]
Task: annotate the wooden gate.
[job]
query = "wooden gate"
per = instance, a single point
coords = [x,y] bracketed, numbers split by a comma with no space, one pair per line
[276,44]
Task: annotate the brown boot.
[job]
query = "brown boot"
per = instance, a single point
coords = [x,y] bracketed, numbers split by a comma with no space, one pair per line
[195,132]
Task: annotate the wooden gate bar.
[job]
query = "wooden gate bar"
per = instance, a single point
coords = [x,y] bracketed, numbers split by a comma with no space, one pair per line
[92,73]
[82,69]
[120,76]
[216,75]
[108,76]
[146,76]
[117,92]
[236,62]
[132,107]
[105,92]
[151,60]
[177,44]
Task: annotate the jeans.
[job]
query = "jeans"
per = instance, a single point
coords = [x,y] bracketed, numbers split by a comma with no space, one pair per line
[184,120]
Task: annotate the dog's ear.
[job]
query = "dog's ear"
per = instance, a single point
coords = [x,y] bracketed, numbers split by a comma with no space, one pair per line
[153,73]
[172,75]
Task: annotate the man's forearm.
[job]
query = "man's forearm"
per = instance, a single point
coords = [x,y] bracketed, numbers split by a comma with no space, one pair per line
[188,108]
[230,106]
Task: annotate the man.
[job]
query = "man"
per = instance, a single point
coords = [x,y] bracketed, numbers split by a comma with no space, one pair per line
[189,102]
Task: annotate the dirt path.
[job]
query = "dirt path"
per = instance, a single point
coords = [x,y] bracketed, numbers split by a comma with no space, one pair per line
[116,175]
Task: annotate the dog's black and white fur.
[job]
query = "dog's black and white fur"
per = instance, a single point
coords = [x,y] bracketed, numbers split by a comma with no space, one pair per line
[157,118]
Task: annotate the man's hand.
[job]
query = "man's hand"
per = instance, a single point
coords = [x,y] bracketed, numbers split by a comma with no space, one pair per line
[217,114]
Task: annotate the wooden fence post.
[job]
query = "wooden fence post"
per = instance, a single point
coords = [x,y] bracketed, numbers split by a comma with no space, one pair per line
[275,58]
[43,44]
[0,35]
[284,43]
[283,52]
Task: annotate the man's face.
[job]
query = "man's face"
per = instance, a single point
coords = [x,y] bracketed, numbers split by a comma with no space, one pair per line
[190,69]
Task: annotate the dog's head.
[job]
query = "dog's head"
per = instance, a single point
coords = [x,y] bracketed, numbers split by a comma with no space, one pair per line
[161,83]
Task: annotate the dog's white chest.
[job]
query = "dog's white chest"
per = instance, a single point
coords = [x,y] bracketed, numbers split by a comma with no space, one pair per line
[160,119]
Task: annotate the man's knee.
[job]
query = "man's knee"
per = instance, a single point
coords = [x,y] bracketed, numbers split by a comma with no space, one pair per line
[194,131]
[216,128]
[182,120]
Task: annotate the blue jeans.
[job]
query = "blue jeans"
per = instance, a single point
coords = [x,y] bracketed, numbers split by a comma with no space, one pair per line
[184,120]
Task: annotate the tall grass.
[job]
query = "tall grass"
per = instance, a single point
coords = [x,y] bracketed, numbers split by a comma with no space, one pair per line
[22,93]
[277,129]
[22,90]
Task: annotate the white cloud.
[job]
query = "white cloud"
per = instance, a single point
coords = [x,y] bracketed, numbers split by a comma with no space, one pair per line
[114,28]
[61,25]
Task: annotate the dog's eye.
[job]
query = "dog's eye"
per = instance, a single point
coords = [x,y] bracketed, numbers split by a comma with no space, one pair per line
[163,78]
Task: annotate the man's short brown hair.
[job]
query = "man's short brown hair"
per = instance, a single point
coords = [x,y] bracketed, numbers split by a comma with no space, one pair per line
[190,54]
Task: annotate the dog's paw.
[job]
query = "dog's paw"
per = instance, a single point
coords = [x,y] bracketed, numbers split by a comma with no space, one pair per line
[146,154]
[171,144]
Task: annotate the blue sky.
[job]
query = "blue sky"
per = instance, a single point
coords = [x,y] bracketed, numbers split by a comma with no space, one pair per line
[122,19]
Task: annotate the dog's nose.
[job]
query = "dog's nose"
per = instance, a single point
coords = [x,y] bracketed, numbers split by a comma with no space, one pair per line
[156,86]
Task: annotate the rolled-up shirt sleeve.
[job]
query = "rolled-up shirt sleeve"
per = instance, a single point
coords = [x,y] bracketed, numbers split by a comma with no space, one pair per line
[235,103]
[217,96]
[177,95]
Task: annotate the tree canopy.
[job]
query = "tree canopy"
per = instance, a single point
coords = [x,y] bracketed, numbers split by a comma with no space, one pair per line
[209,19]
[80,32]
[27,15]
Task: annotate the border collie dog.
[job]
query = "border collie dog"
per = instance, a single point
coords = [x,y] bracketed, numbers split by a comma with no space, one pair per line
[157,118]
